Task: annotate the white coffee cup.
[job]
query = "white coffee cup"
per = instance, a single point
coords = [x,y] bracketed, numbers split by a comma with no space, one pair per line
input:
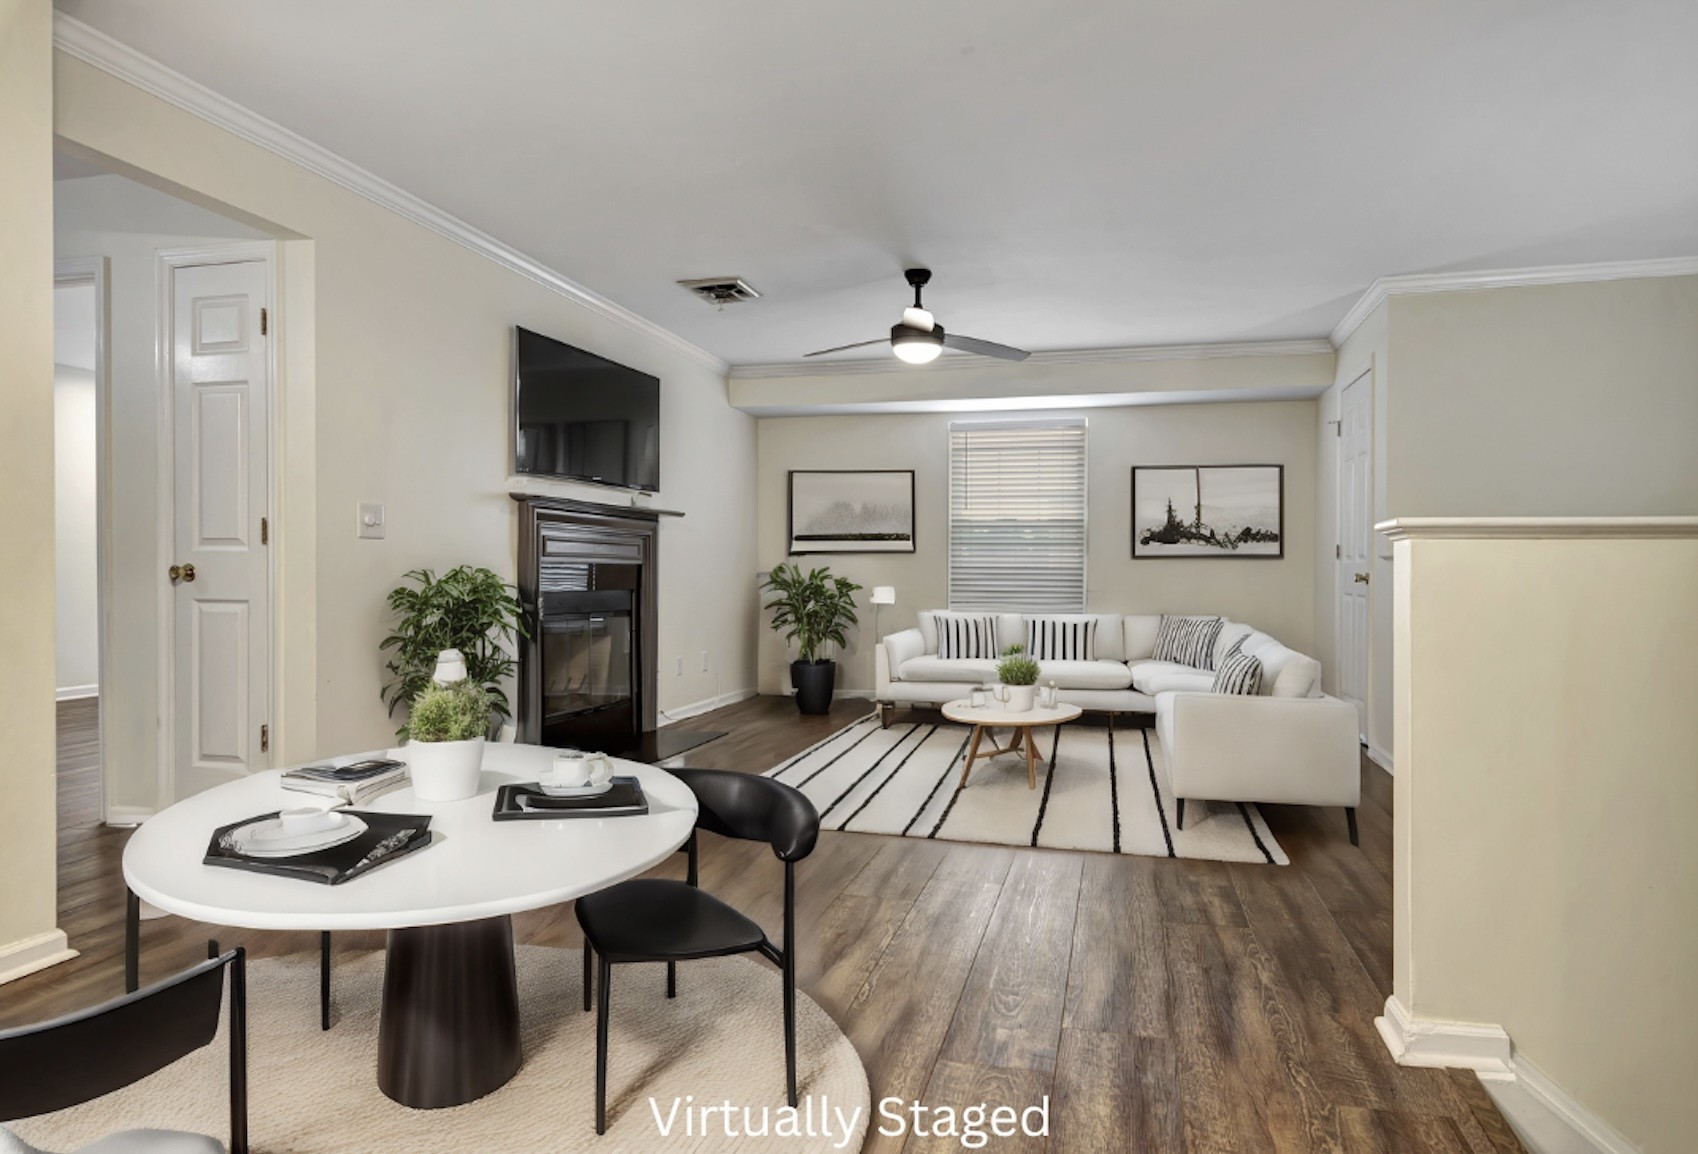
[309,819]
[574,769]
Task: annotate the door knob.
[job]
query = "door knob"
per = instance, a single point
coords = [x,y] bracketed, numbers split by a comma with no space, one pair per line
[1360,578]
[181,572]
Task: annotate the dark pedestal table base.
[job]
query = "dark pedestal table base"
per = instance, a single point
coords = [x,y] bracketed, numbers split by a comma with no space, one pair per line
[449,1031]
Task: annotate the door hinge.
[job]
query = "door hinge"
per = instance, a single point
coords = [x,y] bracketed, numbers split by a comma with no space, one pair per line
[263,321]
[1337,426]
[265,530]
[1337,552]
[265,739]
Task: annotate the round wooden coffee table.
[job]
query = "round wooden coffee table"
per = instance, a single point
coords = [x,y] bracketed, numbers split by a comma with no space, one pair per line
[997,716]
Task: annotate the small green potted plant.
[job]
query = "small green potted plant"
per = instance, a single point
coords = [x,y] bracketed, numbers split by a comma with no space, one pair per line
[813,610]
[446,726]
[1019,675]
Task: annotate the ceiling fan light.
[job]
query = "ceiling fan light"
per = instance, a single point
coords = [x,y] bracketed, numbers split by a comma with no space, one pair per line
[916,353]
[916,346]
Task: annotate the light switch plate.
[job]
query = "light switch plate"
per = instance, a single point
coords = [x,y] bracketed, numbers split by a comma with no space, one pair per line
[371,520]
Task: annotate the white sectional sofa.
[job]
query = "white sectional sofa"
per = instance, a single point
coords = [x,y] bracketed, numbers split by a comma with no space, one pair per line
[1288,743]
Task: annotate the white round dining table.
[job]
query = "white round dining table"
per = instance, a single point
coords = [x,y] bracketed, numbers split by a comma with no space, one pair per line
[448,1029]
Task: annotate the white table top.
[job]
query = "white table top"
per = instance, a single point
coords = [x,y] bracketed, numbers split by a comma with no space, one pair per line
[996,714]
[476,867]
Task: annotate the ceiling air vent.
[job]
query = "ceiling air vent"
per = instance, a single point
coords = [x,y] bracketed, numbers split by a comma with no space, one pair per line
[722,290]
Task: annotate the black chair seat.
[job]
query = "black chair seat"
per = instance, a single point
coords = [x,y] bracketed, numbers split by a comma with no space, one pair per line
[654,920]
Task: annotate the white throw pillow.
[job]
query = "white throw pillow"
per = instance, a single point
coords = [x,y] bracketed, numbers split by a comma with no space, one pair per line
[1062,638]
[971,635]
[1188,640]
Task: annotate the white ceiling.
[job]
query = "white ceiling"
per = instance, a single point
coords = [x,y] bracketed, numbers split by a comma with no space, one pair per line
[1078,175]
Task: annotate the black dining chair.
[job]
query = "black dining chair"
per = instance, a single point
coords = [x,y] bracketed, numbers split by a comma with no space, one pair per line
[657,920]
[70,1060]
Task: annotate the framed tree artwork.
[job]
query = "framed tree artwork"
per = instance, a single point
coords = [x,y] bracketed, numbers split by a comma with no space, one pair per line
[1208,511]
[845,511]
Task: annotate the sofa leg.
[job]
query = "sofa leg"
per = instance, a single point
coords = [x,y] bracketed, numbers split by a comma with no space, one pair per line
[1350,819]
[885,710]
[1179,815]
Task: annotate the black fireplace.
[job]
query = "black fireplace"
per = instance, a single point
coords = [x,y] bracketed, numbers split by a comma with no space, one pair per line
[587,581]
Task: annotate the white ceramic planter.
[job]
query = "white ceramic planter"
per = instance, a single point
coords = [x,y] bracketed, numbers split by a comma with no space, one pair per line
[1021,698]
[445,770]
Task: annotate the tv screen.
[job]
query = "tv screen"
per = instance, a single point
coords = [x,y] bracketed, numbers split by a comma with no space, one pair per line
[582,417]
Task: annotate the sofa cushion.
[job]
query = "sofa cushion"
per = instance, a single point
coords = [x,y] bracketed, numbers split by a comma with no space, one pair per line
[1084,674]
[1139,632]
[965,635]
[1231,633]
[1062,637]
[926,620]
[1238,673]
[930,667]
[1285,672]
[1188,640]
[1153,677]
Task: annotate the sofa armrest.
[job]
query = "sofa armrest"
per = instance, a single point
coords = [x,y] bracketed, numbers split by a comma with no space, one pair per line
[1295,750]
[892,652]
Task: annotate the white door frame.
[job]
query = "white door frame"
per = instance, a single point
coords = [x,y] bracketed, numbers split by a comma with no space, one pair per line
[1366,372]
[166,264]
[94,270]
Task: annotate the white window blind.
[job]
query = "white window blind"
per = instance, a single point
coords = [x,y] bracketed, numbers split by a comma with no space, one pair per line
[1017,516]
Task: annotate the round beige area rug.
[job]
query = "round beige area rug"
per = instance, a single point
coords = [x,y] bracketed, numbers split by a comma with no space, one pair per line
[719,1043]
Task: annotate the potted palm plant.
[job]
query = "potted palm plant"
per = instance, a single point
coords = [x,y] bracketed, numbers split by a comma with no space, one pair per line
[469,609]
[815,611]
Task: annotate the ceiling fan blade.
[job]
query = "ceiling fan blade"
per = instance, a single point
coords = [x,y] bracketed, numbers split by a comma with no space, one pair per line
[983,348]
[841,348]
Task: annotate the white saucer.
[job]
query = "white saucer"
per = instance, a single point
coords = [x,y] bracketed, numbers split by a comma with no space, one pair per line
[266,838]
[575,790]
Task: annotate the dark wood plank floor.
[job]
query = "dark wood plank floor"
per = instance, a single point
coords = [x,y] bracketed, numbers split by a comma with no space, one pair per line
[1161,1005]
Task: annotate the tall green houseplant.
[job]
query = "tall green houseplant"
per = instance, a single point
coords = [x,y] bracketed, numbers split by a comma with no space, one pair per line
[467,608]
[813,610]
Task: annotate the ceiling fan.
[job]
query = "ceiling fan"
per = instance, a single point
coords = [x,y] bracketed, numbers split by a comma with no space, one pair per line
[918,339]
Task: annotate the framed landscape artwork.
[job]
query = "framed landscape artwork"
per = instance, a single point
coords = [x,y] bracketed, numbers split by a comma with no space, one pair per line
[1208,511]
[839,511]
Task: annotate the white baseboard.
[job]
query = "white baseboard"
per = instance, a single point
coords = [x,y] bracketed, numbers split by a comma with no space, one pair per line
[706,705]
[127,815]
[1379,756]
[27,955]
[75,692]
[1414,1041]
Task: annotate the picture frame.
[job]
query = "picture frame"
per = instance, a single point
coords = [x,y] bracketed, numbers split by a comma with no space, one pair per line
[1190,511]
[851,511]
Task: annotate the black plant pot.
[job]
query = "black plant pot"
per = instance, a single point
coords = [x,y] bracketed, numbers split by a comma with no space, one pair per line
[814,681]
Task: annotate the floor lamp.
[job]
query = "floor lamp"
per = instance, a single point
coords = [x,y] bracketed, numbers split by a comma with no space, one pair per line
[882,595]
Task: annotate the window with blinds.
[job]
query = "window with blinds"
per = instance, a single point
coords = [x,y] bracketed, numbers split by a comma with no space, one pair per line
[1017,516]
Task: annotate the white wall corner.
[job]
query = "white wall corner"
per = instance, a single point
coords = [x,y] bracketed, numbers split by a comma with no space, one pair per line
[27,955]
[1485,1049]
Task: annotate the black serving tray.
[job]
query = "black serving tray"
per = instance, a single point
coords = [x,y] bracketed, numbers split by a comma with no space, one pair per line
[527,801]
[338,863]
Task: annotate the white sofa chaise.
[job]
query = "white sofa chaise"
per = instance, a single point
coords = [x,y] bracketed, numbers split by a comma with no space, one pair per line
[1289,743]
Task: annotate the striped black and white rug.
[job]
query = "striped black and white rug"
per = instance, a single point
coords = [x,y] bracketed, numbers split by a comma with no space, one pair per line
[1097,790]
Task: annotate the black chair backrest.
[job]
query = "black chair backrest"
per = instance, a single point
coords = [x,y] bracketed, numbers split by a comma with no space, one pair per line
[69,1060]
[753,808]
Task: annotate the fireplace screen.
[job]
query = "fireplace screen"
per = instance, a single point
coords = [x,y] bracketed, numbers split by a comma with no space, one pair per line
[586,662]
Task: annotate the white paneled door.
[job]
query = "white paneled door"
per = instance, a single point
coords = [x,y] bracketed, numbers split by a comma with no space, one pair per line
[1355,539]
[218,570]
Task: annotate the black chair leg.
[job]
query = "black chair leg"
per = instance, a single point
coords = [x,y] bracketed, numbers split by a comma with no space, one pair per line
[790,1034]
[606,976]
[589,960]
[672,979]
[132,941]
[324,980]
[1179,815]
[1350,819]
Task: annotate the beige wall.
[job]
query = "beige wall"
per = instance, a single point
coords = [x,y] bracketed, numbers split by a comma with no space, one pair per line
[76,536]
[27,902]
[1273,595]
[1547,879]
[395,389]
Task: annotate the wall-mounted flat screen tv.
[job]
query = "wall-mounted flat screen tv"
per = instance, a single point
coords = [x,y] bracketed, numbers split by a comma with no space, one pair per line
[580,417]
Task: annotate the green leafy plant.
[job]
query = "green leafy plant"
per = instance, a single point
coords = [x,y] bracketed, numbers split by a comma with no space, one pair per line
[468,609]
[811,610]
[456,712]
[1016,668]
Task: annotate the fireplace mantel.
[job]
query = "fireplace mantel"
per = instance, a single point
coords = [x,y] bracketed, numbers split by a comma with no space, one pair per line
[594,508]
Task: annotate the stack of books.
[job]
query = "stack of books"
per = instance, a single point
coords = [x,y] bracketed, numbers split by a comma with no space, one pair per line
[349,784]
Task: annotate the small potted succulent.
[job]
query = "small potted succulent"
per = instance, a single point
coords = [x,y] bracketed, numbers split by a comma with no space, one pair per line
[1019,676]
[446,727]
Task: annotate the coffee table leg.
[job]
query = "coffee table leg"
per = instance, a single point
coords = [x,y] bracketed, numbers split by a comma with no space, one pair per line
[972,751]
[449,1030]
[1031,760]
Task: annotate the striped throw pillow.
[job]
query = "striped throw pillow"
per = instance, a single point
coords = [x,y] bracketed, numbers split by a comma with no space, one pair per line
[1062,638]
[962,635]
[1238,673]
[1188,640]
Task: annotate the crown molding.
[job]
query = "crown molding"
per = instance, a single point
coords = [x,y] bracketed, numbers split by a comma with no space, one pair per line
[117,59]
[1548,528]
[1112,356]
[1444,282]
